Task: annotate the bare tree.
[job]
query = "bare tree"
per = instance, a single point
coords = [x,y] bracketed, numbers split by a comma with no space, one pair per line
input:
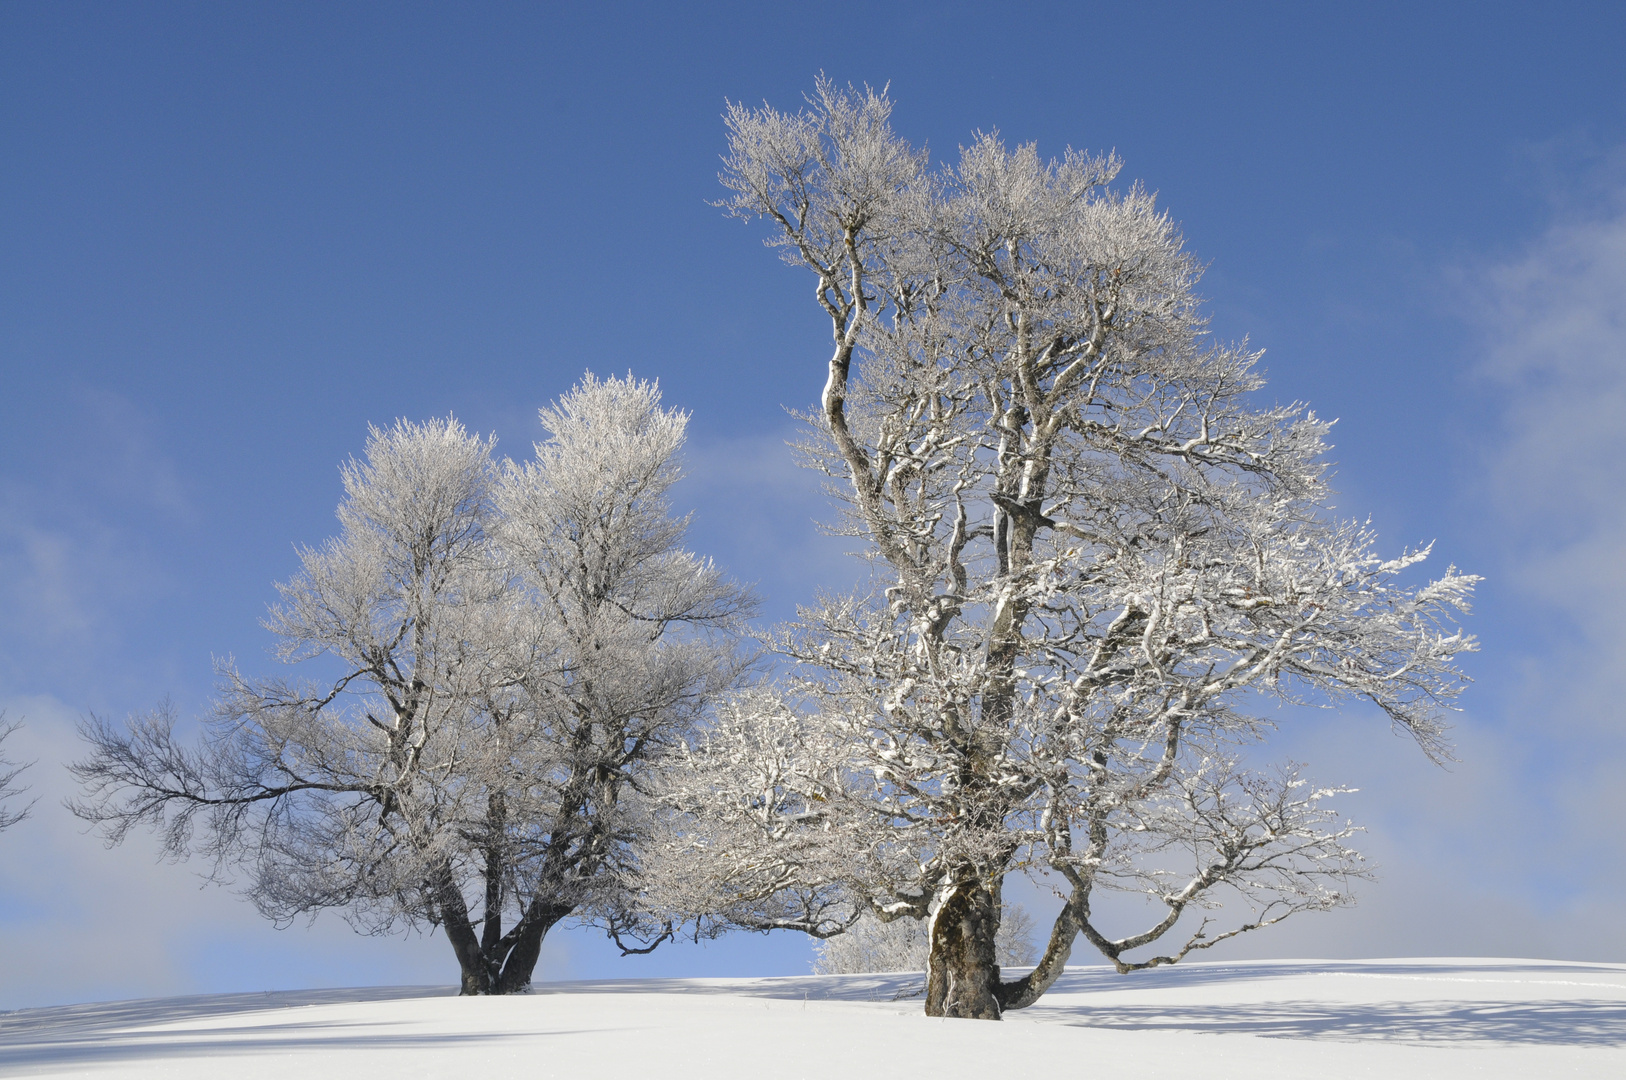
[9,772]
[511,646]
[1097,566]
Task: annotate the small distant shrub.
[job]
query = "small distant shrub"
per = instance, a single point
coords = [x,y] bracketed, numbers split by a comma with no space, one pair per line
[903,944]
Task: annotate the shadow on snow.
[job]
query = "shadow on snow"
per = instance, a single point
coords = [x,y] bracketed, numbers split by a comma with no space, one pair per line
[1498,1013]
[1492,1010]
[76,1035]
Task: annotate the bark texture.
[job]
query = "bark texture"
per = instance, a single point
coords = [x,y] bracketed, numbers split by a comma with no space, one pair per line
[963,978]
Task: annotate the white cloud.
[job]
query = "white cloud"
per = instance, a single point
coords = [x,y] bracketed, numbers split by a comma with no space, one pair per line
[1557,352]
[1518,849]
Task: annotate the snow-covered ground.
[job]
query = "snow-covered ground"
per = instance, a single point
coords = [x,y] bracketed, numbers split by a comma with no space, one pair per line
[1390,1018]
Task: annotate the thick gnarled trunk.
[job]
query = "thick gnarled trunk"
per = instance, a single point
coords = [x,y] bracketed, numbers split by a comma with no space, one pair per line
[962,977]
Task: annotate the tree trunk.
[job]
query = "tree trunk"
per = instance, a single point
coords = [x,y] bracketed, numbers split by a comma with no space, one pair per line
[539,918]
[454,919]
[962,977]
[488,964]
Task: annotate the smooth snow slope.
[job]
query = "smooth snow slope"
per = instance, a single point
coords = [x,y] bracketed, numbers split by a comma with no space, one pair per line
[1391,1018]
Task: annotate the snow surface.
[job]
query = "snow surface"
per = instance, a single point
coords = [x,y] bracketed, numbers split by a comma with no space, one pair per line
[1390,1018]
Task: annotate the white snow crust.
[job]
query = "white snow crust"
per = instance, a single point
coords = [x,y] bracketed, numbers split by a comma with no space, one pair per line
[1389,1018]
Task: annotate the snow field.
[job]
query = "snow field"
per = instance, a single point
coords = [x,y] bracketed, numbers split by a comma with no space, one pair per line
[1392,1018]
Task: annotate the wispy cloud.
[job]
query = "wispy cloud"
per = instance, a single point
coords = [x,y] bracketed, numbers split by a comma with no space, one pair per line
[62,569]
[123,460]
[1556,351]
[1516,848]
[76,533]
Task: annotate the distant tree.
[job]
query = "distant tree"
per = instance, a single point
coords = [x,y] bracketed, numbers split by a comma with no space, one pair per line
[510,649]
[9,772]
[1097,567]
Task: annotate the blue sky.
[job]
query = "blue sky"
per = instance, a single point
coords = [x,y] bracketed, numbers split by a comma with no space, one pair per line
[232,236]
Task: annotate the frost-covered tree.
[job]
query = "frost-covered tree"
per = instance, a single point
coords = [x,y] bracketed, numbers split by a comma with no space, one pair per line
[500,651]
[1097,567]
[9,772]
[633,637]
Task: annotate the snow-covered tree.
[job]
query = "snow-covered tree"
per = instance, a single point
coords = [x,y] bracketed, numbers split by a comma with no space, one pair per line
[9,788]
[1097,567]
[501,652]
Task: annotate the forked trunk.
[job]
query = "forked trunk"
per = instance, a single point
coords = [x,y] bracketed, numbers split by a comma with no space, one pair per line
[489,964]
[521,961]
[962,979]
[504,969]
